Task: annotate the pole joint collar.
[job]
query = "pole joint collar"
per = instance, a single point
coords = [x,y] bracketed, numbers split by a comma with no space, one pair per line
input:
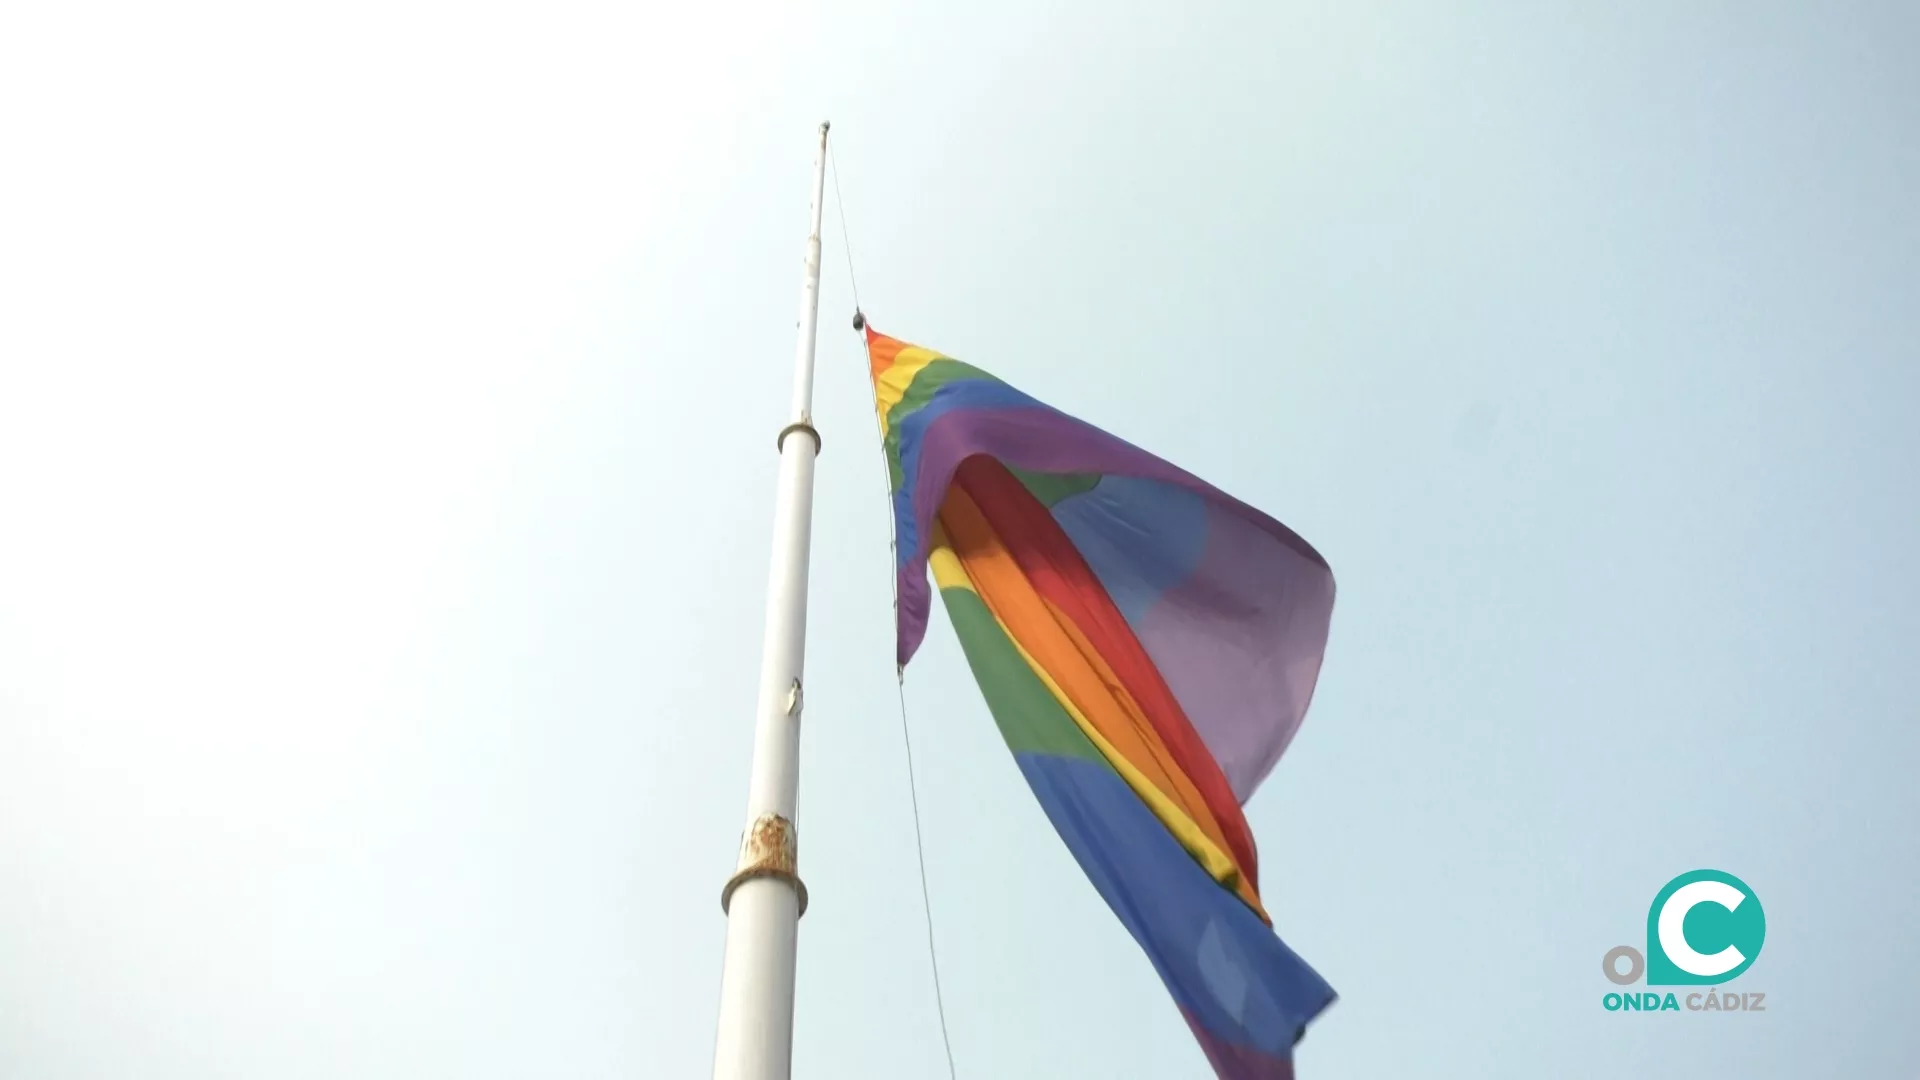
[770,849]
[781,442]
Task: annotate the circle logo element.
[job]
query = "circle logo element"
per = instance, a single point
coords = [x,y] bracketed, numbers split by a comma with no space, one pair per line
[1705,926]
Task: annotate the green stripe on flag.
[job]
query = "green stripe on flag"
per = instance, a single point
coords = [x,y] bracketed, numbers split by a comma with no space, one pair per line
[1029,717]
[1050,488]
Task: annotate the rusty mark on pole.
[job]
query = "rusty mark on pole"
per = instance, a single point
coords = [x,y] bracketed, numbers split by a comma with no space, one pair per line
[770,849]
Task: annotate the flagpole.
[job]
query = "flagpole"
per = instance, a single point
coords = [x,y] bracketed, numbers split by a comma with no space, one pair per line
[764,898]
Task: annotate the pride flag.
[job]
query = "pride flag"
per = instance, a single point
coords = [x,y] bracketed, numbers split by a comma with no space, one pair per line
[1147,646]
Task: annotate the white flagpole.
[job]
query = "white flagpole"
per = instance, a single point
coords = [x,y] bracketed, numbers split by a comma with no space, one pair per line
[764,898]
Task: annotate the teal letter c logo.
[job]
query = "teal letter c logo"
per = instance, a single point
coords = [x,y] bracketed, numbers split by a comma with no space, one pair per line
[1705,926]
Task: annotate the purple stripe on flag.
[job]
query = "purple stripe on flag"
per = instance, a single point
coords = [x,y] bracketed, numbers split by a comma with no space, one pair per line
[1240,642]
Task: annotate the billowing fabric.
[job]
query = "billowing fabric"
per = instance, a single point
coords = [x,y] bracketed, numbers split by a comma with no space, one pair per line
[1147,646]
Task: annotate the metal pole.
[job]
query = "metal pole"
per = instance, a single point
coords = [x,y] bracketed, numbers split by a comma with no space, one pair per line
[764,898]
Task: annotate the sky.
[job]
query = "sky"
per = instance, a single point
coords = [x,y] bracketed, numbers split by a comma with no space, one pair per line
[387,404]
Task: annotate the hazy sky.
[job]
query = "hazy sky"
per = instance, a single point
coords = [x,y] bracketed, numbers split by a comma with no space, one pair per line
[387,404]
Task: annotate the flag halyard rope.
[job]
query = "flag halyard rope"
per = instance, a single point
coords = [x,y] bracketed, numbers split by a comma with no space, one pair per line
[900,674]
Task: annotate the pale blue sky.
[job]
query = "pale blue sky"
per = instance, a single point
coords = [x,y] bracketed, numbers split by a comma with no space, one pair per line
[387,402]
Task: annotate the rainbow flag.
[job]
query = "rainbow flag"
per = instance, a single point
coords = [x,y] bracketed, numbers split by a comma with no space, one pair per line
[1147,645]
